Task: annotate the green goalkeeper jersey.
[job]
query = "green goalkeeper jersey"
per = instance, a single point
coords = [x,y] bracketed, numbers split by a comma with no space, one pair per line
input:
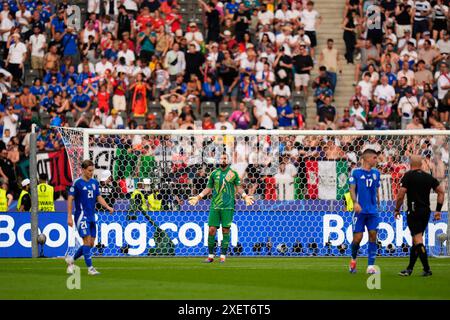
[223,183]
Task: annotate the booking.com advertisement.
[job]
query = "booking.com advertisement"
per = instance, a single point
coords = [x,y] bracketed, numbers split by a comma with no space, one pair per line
[281,232]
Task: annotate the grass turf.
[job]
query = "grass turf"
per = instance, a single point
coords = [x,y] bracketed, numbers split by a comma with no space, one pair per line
[238,278]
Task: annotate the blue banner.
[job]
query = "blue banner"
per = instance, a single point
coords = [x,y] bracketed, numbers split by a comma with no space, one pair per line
[283,231]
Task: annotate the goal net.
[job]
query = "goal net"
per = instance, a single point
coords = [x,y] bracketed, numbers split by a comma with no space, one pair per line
[299,180]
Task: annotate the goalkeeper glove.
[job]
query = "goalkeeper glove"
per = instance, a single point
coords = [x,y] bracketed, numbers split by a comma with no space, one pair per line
[248,200]
[194,200]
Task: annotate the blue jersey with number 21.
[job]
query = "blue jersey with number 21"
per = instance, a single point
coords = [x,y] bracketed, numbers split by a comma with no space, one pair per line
[85,195]
[367,184]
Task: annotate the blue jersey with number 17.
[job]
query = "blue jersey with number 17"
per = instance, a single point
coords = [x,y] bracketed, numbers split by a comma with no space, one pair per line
[367,184]
[85,195]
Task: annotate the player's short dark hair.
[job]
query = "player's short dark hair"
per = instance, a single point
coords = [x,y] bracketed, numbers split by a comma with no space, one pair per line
[86,164]
[43,176]
[368,152]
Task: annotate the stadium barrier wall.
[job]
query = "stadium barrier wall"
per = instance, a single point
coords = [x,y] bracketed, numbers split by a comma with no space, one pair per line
[184,233]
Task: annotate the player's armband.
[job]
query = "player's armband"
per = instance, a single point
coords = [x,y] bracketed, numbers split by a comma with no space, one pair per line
[348,201]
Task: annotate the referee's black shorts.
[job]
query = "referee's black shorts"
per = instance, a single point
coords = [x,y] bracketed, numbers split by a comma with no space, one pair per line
[418,220]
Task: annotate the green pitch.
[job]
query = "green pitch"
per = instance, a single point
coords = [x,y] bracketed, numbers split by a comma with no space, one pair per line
[239,278]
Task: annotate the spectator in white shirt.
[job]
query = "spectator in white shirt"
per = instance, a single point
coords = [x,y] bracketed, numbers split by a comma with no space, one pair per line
[264,112]
[127,54]
[37,45]
[175,61]
[281,89]
[384,89]
[102,66]
[223,123]
[16,56]
[406,106]
[114,120]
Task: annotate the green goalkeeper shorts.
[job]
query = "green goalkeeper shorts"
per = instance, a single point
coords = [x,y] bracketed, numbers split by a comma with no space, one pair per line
[220,216]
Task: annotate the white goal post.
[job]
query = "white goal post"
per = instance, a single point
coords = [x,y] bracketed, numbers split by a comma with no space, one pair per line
[298,178]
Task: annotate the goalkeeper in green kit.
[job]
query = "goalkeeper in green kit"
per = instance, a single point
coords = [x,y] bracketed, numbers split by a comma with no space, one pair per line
[223,182]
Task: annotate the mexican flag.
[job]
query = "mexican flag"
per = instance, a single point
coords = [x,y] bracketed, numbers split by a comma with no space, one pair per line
[326,179]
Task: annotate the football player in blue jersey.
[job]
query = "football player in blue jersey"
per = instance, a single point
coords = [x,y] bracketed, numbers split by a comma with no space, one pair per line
[364,183]
[84,193]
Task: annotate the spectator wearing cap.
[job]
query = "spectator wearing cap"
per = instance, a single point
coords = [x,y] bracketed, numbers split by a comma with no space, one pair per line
[151,122]
[194,36]
[17,54]
[223,122]
[406,107]
[113,121]
[24,201]
[426,37]
[381,114]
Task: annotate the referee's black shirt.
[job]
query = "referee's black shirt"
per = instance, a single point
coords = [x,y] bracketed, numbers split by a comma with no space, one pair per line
[418,184]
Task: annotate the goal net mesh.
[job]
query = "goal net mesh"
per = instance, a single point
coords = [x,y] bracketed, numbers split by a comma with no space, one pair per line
[299,182]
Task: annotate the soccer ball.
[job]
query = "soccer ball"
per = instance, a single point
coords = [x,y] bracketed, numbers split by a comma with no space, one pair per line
[41,239]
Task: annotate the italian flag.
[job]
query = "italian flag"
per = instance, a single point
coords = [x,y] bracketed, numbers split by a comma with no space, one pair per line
[326,179]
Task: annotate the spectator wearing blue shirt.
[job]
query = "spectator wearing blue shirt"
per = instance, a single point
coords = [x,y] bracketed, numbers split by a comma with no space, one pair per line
[48,100]
[37,89]
[392,77]
[54,86]
[211,90]
[81,101]
[321,92]
[71,88]
[232,7]
[53,74]
[55,120]
[70,46]
[58,23]
[85,74]
[285,113]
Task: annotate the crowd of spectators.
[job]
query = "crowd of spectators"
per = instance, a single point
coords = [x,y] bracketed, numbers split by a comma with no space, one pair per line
[245,64]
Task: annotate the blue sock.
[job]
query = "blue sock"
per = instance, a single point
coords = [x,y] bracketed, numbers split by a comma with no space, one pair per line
[87,256]
[355,248]
[372,252]
[79,253]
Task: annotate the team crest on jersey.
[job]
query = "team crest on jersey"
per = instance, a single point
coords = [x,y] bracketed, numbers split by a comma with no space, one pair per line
[93,186]
[374,176]
[229,176]
[84,188]
[363,177]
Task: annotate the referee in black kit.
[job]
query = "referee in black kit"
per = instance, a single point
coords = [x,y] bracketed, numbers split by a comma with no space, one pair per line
[417,184]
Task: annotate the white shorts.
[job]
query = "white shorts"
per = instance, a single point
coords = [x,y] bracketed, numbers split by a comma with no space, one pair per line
[301,80]
[119,103]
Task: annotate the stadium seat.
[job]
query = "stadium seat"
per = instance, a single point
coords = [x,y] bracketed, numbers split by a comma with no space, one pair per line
[45,118]
[226,106]
[139,120]
[209,107]
[155,107]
